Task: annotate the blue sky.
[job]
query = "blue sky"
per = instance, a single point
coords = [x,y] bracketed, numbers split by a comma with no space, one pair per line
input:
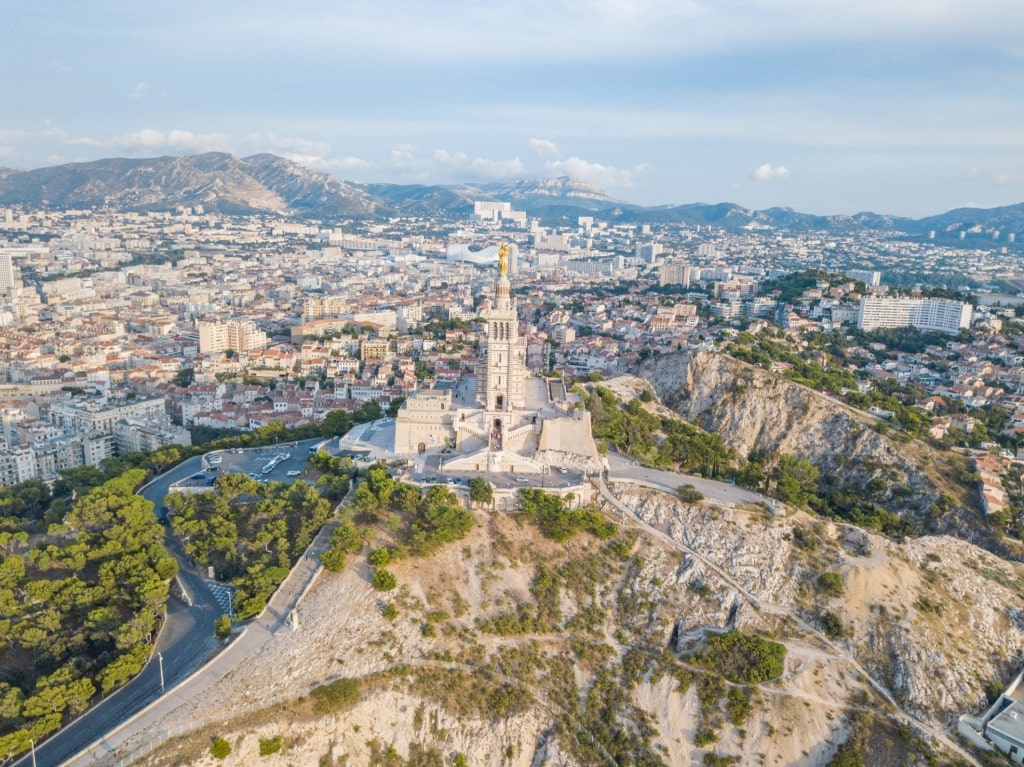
[909,107]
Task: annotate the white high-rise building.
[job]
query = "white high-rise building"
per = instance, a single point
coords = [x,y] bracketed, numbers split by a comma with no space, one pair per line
[941,314]
[485,210]
[10,278]
[674,273]
[649,251]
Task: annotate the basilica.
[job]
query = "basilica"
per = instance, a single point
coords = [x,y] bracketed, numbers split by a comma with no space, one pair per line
[501,418]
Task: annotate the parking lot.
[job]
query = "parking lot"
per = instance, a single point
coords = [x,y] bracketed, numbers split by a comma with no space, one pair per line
[289,462]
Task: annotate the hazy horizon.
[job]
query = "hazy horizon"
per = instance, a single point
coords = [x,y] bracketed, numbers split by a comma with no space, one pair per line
[830,108]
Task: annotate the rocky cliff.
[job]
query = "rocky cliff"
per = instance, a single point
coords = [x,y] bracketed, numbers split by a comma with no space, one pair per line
[754,409]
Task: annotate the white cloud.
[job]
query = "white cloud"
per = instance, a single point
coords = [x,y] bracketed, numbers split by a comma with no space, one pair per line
[767,172]
[477,168]
[343,163]
[150,139]
[446,158]
[138,91]
[300,150]
[544,149]
[402,153]
[1004,179]
[591,172]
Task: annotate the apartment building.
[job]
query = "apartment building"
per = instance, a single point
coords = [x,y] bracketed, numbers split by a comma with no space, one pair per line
[940,314]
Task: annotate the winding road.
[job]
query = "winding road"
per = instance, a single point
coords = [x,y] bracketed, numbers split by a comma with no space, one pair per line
[186,640]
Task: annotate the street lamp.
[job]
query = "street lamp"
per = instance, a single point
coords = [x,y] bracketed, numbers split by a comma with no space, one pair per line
[32,743]
[160,660]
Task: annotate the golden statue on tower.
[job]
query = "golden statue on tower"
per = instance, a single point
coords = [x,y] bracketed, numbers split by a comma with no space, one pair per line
[503,259]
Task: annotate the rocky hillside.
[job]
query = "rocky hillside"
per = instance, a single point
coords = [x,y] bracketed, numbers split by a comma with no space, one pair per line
[754,409]
[265,183]
[216,181]
[513,650]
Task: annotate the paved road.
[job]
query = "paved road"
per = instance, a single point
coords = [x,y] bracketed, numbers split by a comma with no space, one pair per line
[622,468]
[146,728]
[187,639]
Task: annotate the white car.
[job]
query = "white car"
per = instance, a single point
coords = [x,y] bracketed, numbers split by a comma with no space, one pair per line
[293,473]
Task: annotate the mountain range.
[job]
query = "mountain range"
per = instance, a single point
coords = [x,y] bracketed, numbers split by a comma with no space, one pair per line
[266,183]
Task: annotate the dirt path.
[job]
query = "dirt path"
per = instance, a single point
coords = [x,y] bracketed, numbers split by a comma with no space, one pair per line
[900,714]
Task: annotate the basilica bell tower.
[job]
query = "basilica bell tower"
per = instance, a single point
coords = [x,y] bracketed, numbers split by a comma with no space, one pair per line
[501,378]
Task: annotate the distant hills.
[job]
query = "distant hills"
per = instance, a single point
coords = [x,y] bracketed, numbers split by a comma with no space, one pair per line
[266,183]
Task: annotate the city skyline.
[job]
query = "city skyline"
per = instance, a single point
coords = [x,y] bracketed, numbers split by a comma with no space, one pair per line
[826,108]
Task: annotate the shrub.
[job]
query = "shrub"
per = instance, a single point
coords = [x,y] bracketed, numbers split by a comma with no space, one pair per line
[380,557]
[384,580]
[743,658]
[270,746]
[715,760]
[832,625]
[846,756]
[333,560]
[222,626]
[336,695]
[805,539]
[219,748]
[558,522]
[390,611]
[689,494]
[831,584]
[705,737]
[737,705]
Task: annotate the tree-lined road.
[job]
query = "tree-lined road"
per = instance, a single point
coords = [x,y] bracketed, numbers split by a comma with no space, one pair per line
[146,727]
[186,640]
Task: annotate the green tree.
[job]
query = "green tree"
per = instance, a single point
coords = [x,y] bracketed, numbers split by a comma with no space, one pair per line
[481,491]
[796,479]
[335,423]
[222,626]
[383,580]
[168,456]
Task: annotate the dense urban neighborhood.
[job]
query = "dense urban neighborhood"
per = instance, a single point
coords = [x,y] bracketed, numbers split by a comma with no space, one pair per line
[126,332]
